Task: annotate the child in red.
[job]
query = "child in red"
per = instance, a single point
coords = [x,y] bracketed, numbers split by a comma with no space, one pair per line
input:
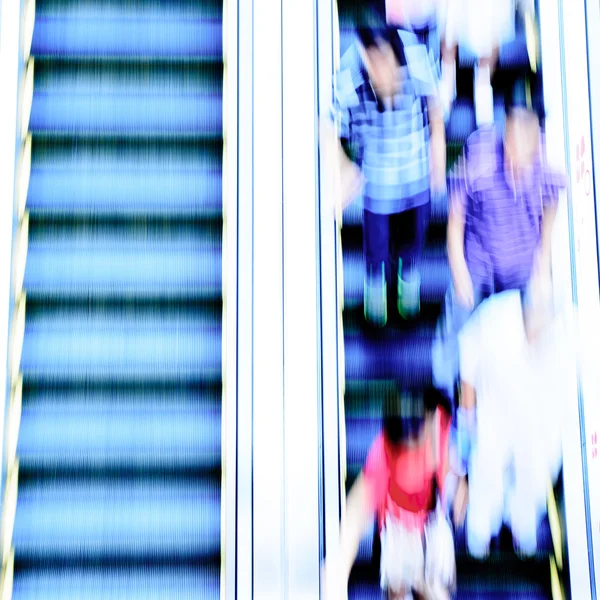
[403,485]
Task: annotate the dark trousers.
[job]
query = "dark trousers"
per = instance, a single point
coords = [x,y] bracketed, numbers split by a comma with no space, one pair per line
[388,238]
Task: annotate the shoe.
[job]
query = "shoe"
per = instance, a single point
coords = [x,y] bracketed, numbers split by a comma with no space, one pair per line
[409,297]
[375,302]
[484,97]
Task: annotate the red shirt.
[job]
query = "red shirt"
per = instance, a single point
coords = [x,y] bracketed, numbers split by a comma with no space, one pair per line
[401,478]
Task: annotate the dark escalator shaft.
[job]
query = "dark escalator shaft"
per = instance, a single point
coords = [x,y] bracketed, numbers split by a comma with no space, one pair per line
[119,444]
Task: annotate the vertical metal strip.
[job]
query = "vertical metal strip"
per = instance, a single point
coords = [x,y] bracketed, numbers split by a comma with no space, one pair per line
[267,344]
[300,296]
[575,298]
[594,83]
[330,263]
[243,31]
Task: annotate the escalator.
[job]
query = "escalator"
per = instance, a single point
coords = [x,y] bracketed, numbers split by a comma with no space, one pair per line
[375,358]
[119,444]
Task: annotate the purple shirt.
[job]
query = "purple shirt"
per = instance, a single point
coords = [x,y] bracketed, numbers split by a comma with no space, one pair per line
[503,219]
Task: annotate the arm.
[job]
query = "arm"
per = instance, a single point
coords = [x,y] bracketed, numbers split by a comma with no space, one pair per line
[437,145]
[553,182]
[356,520]
[458,203]
[456,235]
[348,182]
[545,250]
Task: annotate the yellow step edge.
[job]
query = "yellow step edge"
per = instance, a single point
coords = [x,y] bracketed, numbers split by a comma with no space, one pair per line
[555,529]
[23,177]
[27,27]
[9,509]
[16,340]
[26,97]
[557,592]
[21,247]
[532,41]
[14,421]
[224,522]
[8,573]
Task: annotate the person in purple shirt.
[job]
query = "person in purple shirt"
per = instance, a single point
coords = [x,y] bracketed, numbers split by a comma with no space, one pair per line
[502,204]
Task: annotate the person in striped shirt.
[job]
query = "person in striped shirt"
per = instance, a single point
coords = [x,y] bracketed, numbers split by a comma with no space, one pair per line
[390,142]
[502,205]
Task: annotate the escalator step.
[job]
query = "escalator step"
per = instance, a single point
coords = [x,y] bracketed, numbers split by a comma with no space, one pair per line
[79,430]
[65,261]
[104,99]
[126,179]
[435,278]
[121,343]
[108,30]
[83,520]
[407,357]
[118,584]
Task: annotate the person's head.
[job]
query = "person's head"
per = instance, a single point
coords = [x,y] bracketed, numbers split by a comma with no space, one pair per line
[524,117]
[537,302]
[405,413]
[383,55]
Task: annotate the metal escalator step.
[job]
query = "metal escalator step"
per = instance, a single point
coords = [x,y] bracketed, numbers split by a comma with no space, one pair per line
[406,357]
[78,259]
[128,179]
[108,99]
[80,30]
[435,278]
[121,342]
[119,429]
[142,583]
[82,520]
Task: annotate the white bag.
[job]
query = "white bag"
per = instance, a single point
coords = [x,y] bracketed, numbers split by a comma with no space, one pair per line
[440,560]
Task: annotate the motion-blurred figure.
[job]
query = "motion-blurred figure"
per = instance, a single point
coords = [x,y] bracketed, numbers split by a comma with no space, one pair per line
[392,141]
[418,16]
[481,26]
[502,205]
[403,485]
[518,382]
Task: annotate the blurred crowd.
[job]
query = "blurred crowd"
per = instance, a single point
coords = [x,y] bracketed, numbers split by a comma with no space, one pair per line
[480,447]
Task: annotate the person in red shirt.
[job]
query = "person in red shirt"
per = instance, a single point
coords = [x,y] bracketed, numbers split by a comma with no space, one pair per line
[404,485]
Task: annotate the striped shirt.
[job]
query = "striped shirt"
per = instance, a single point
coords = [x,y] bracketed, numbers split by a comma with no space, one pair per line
[391,145]
[503,220]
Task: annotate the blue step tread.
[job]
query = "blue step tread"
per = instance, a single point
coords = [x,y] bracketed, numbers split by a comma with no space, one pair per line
[126,100]
[145,179]
[159,31]
[118,584]
[407,357]
[121,343]
[98,429]
[81,263]
[435,278]
[89,518]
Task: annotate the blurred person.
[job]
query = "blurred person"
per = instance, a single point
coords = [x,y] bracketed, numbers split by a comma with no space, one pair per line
[391,144]
[518,370]
[502,205]
[481,26]
[418,16]
[403,485]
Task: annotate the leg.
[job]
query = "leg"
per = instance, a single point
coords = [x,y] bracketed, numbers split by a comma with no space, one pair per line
[376,236]
[412,230]
[448,75]
[482,89]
